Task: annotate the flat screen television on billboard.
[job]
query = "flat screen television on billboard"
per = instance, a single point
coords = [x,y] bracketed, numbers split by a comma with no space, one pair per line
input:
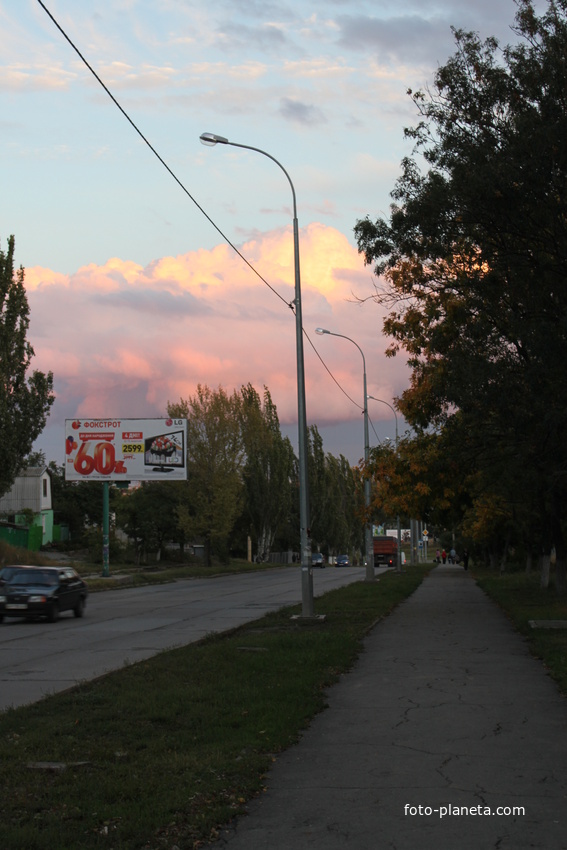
[165,451]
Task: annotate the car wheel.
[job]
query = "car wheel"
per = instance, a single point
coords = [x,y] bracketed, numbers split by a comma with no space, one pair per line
[53,614]
[79,608]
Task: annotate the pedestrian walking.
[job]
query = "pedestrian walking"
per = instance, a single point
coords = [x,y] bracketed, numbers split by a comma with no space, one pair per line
[444,556]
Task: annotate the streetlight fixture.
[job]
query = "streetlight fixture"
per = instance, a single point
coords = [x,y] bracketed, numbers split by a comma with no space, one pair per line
[387,403]
[368,541]
[212,139]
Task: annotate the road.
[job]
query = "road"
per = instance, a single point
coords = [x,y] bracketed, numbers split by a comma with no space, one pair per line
[125,626]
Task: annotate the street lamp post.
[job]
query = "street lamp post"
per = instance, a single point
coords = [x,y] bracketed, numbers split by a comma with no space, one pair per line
[381,400]
[306,568]
[368,541]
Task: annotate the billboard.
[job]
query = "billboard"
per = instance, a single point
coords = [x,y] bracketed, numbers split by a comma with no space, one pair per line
[125,449]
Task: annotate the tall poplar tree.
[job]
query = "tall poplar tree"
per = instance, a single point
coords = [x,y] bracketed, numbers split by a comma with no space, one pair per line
[211,498]
[25,397]
[268,470]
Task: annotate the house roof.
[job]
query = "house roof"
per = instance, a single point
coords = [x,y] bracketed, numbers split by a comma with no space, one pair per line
[34,472]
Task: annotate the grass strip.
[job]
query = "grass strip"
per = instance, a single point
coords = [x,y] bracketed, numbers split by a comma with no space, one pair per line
[522,599]
[160,754]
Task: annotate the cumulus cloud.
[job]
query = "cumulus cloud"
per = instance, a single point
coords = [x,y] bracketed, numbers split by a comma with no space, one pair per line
[122,339]
[398,39]
[243,71]
[267,37]
[39,78]
[415,32]
[319,67]
[301,113]
[122,76]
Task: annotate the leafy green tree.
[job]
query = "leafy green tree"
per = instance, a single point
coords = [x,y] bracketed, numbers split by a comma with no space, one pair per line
[148,515]
[345,506]
[319,491]
[472,262]
[336,512]
[268,471]
[25,399]
[77,503]
[211,498]
[34,460]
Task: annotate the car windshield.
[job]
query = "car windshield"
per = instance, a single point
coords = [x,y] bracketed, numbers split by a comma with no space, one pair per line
[35,577]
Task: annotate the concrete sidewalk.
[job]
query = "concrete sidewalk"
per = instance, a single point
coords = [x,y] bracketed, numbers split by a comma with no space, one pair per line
[445,709]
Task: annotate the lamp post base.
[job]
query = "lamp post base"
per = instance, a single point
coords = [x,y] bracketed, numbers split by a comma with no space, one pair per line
[314,618]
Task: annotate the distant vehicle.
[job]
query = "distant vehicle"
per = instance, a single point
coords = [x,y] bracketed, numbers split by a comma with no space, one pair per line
[317,560]
[342,561]
[385,551]
[32,592]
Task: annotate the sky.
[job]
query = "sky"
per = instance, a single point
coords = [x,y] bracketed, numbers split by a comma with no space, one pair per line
[136,295]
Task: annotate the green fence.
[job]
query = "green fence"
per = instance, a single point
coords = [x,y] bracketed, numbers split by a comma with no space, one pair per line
[60,533]
[20,535]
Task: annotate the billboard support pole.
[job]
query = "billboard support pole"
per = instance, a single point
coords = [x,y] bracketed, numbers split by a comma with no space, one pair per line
[105,529]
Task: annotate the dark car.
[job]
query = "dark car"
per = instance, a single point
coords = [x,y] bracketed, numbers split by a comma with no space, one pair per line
[6,573]
[32,592]
[342,561]
[317,560]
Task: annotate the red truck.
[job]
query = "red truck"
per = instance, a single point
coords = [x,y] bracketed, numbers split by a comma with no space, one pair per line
[386,551]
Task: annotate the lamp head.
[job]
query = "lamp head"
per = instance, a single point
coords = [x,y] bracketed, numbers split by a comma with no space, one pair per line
[321,331]
[211,139]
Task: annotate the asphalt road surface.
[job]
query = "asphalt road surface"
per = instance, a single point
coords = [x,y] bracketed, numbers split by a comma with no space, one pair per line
[125,626]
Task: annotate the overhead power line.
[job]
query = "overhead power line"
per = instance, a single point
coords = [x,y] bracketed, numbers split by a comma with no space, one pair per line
[186,191]
[356,404]
[160,158]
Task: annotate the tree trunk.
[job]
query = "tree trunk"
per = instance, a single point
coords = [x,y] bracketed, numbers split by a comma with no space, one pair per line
[265,542]
[504,559]
[560,576]
[544,561]
[207,552]
[559,550]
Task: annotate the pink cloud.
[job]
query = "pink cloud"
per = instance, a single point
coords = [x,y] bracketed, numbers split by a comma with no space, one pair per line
[123,340]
